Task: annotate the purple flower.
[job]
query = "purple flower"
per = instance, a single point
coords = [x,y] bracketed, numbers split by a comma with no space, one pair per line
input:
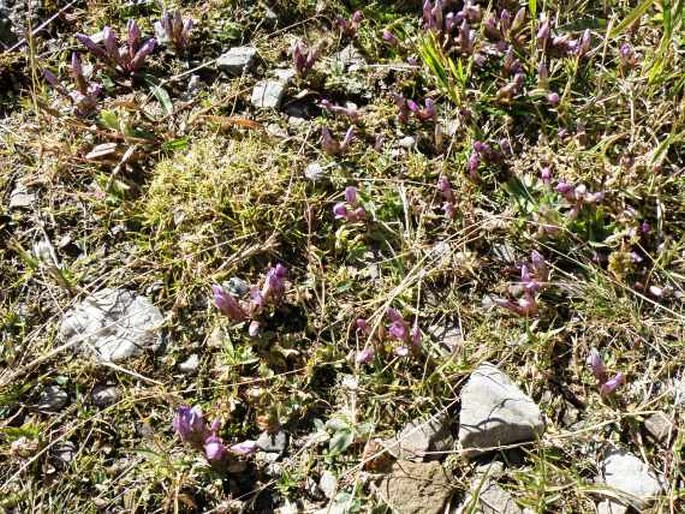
[227,304]
[546,174]
[304,58]
[563,188]
[627,56]
[128,58]
[215,451]
[140,56]
[553,98]
[351,196]
[351,26]
[90,45]
[473,163]
[524,306]
[544,33]
[401,351]
[390,38]
[584,43]
[398,330]
[247,447]
[190,425]
[612,384]
[365,356]
[274,284]
[415,334]
[492,32]
[363,326]
[465,38]
[350,110]
[445,188]
[331,146]
[173,29]
[594,360]
[255,329]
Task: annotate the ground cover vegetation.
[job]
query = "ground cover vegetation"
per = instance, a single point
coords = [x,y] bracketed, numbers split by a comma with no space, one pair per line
[336,213]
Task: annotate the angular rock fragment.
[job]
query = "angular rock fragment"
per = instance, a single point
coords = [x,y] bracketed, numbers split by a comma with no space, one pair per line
[237,60]
[630,479]
[495,412]
[416,488]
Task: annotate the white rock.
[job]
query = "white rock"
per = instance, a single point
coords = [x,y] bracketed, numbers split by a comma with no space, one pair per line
[328,484]
[21,198]
[113,324]
[423,440]
[491,499]
[630,478]
[190,365]
[268,94]
[610,507]
[237,60]
[494,412]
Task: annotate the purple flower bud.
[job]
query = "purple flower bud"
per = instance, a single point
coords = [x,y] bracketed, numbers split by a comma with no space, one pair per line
[546,174]
[274,284]
[245,448]
[365,356]
[491,30]
[133,32]
[594,360]
[465,38]
[445,188]
[329,145]
[351,196]
[505,146]
[553,98]
[544,33]
[519,19]
[215,451]
[390,38]
[145,50]
[349,137]
[413,106]
[505,21]
[109,39]
[612,384]
[473,163]
[450,209]
[415,335]
[227,304]
[90,45]
[627,56]
[50,78]
[190,425]
[398,330]
[340,211]
[645,227]
[563,188]
[584,43]
[394,315]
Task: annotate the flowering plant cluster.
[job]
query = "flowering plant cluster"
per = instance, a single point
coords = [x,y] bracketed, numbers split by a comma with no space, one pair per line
[172,28]
[350,210]
[127,58]
[534,275]
[270,294]
[350,27]
[191,427]
[606,385]
[577,196]
[85,95]
[332,146]
[409,108]
[402,337]
[304,57]
[445,189]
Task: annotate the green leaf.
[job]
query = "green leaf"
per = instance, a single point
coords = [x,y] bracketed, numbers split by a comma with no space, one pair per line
[340,441]
[109,119]
[533,8]
[163,98]
[632,17]
[176,144]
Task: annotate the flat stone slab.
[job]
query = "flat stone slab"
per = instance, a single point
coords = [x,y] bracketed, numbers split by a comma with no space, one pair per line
[424,440]
[237,60]
[268,94]
[416,488]
[495,412]
[630,477]
[113,324]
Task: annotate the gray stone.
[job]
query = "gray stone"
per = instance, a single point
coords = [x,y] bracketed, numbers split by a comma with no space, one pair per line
[20,198]
[629,478]
[53,398]
[424,440]
[113,324]
[237,60]
[489,498]
[611,507]
[268,94]
[65,452]
[495,412]
[328,484]
[407,142]
[105,395]
[659,427]
[273,443]
[415,488]
[314,171]
[237,286]
[190,365]
[350,58]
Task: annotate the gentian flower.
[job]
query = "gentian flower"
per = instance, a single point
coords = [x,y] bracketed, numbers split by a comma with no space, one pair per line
[350,110]
[627,56]
[390,38]
[304,58]
[365,356]
[215,451]
[594,360]
[128,58]
[227,304]
[274,284]
[473,163]
[363,326]
[190,425]
[351,26]
[247,447]
[612,384]
[172,28]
